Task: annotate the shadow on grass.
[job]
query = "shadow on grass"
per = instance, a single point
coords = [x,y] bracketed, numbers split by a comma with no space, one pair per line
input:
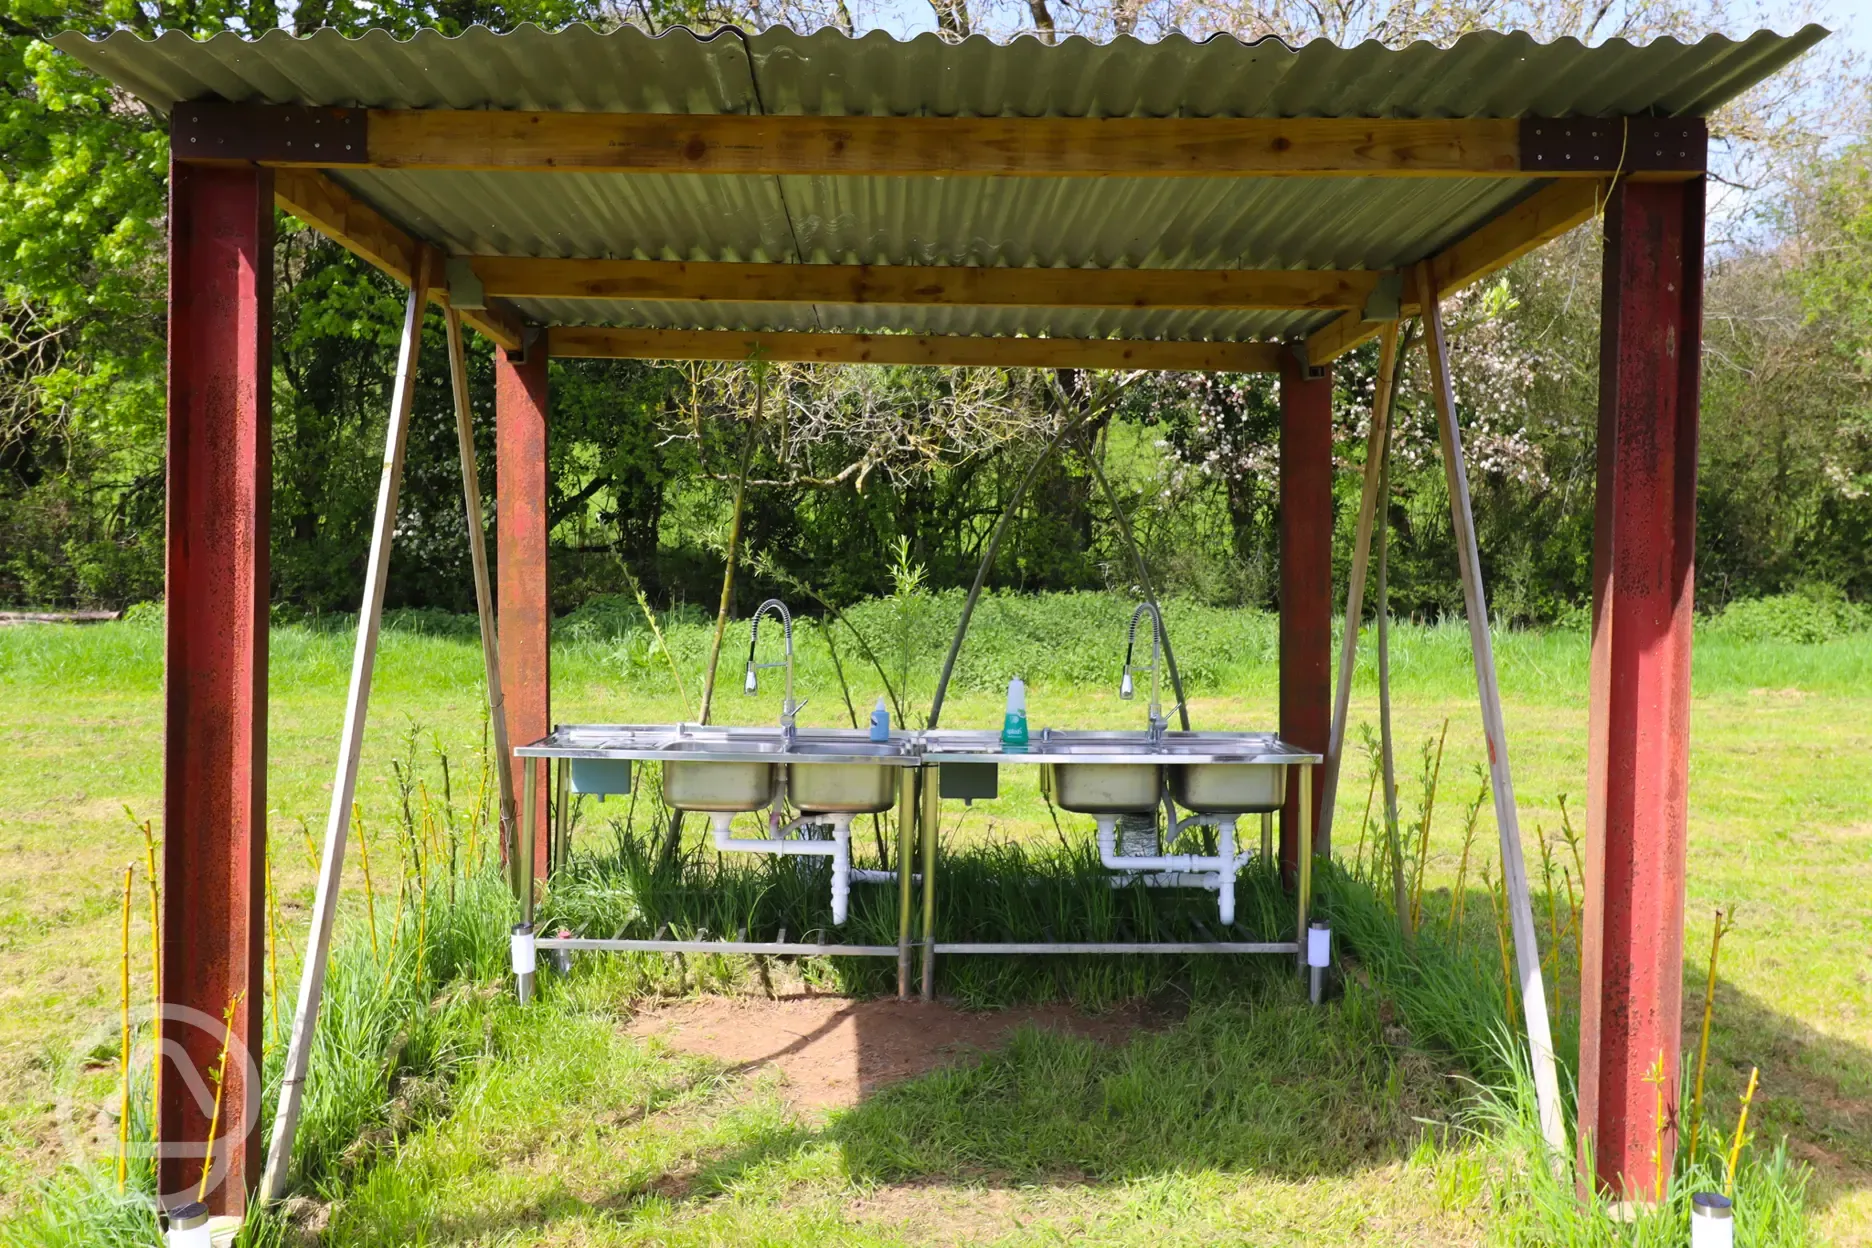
[1259,1084]
[1816,1089]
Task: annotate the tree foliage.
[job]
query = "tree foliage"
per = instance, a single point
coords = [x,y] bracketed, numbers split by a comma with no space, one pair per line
[855,469]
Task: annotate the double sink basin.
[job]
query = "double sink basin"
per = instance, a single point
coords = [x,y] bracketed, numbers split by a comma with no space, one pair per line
[823,777]
[729,770]
[1120,773]
[833,771]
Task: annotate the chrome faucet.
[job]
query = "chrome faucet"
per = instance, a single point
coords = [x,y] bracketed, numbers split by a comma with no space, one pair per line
[789,709]
[1126,689]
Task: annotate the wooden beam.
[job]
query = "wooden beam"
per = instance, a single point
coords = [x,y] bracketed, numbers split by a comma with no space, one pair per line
[498,323]
[1323,346]
[539,142]
[951,350]
[1540,218]
[219,479]
[1377,442]
[354,225]
[520,277]
[350,738]
[898,146]
[366,233]
[1516,897]
[1638,725]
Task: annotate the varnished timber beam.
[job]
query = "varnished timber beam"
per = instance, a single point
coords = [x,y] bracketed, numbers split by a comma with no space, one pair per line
[363,231]
[1540,218]
[939,349]
[290,136]
[518,277]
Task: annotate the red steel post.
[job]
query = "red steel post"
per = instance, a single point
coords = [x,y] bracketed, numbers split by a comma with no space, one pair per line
[220,471]
[521,522]
[1306,523]
[1638,731]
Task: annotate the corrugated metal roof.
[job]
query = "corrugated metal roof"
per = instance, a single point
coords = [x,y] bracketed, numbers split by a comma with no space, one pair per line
[1167,323]
[1345,223]
[1192,223]
[579,69]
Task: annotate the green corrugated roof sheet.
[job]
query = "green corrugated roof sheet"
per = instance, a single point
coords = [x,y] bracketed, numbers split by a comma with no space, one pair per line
[1080,222]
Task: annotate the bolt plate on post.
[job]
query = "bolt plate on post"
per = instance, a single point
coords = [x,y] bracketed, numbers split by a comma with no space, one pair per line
[1614,146]
[317,137]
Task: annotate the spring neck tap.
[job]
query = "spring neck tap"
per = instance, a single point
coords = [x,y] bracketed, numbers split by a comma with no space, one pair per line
[1126,686]
[789,709]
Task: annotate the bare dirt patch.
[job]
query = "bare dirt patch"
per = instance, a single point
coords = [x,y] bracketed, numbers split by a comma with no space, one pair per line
[831,1052]
[939,1213]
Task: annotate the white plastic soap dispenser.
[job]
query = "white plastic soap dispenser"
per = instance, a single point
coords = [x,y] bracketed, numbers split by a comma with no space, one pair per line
[1014,725]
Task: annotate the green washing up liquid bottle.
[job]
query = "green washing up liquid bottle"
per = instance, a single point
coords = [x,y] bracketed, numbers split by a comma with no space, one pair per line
[1014,726]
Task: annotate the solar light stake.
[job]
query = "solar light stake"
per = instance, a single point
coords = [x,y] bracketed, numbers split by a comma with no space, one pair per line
[1318,957]
[188,1226]
[1712,1221]
[525,961]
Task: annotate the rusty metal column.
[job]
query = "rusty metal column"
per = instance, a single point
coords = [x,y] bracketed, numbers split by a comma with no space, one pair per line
[1306,519]
[1638,731]
[521,523]
[220,471]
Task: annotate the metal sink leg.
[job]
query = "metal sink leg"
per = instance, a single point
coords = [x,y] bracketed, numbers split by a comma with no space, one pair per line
[1305,848]
[909,802]
[932,812]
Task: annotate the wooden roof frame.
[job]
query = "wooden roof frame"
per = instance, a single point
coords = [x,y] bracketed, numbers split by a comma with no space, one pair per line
[1573,162]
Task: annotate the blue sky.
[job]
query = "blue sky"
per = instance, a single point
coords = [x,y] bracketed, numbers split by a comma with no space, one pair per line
[1853,23]
[1850,19]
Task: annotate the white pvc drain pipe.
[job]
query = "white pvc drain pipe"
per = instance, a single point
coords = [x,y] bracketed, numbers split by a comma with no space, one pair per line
[838,849]
[1215,872]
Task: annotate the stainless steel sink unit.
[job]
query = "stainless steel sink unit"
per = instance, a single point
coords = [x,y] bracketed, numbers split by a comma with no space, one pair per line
[699,782]
[832,775]
[1216,776]
[829,775]
[1106,788]
[714,770]
[719,788]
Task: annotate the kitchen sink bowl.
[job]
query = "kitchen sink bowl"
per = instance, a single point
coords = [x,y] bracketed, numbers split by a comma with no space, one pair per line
[716,785]
[1106,788]
[1228,788]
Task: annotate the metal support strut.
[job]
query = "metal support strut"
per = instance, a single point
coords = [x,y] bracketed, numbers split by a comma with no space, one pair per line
[1501,781]
[351,746]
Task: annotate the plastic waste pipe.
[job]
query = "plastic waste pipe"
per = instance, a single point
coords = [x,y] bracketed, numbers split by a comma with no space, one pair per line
[838,849]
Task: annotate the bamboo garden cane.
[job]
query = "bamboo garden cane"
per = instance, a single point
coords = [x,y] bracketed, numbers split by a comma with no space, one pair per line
[483,583]
[1375,445]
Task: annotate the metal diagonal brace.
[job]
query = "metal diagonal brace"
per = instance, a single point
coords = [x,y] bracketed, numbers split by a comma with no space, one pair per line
[1507,820]
[351,746]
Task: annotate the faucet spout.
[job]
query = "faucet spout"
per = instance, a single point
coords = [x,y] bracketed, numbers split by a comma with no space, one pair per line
[789,709]
[1158,722]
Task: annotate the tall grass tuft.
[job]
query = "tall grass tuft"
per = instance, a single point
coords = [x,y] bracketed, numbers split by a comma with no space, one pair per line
[1530,1203]
[407,995]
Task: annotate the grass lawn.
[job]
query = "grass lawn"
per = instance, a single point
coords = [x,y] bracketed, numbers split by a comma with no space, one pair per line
[1251,1118]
